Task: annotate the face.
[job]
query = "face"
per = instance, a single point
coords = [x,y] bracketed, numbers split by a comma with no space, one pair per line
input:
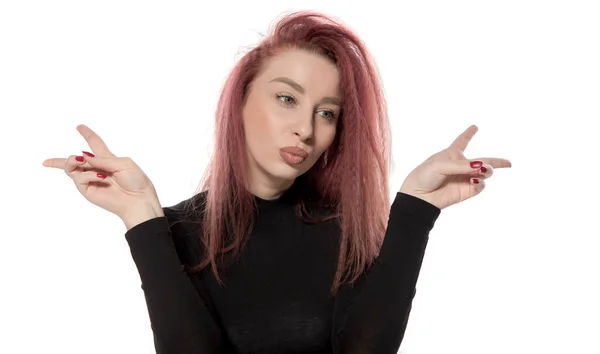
[293,104]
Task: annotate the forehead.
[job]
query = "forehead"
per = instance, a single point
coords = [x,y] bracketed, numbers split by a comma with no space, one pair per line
[317,74]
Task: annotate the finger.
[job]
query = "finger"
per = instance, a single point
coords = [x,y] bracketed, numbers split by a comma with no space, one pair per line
[55,163]
[73,164]
[108,164]
[463,139]
[486,171]
[462,167]
[83,179]
[477,186]
[61,162]
[94,141]
[494,162]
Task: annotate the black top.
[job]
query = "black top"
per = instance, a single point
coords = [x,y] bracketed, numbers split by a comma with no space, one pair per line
[277,298]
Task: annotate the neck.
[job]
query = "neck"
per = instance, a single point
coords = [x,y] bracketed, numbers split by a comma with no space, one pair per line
[266,186]
[269,190]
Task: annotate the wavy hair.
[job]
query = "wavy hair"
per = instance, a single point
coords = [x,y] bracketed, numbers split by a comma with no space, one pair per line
[350,178]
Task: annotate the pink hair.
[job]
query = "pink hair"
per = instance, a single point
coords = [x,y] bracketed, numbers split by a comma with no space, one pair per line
[352,176]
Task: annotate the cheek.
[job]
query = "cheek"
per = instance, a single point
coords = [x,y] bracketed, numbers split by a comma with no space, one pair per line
[326,137]
[262,126]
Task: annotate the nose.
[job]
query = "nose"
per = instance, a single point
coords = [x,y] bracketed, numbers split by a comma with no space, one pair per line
[304,128]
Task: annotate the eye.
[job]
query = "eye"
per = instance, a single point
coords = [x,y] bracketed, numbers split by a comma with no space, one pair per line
[330,114]
[289,101]
[285,99]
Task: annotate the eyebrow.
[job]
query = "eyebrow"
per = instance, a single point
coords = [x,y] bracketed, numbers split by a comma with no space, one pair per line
[296,86]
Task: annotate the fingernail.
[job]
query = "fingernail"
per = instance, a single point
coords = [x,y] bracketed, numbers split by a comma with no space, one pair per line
[101,175]
[475,180]
[88,153]
[483,170]
[476,164]
[79,158]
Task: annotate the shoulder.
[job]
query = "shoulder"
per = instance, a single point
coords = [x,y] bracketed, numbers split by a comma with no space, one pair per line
[185,222]
[189,209]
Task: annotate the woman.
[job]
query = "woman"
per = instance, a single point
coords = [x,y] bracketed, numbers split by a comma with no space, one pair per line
[291,245]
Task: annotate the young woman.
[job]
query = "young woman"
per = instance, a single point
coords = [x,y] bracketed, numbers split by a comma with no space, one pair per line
[290,246]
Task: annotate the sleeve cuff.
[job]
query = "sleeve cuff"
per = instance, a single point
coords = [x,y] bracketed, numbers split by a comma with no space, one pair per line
[417,208]
[139,233]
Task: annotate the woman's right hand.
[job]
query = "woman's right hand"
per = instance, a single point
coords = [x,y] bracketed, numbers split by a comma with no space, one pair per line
[116,184]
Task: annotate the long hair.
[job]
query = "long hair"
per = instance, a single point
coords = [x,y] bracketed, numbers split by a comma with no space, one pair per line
[351,176]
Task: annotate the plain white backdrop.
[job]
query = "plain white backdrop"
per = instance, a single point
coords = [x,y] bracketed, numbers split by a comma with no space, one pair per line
[513,270]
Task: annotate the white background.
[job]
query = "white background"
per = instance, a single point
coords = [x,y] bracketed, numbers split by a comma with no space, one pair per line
[513,270]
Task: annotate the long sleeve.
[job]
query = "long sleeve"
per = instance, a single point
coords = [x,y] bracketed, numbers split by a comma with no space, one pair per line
[377,313]
[180,320]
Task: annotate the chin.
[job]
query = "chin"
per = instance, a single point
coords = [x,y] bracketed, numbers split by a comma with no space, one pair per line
[288,172]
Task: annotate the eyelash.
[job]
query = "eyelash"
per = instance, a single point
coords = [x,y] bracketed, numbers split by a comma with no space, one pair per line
[279,96]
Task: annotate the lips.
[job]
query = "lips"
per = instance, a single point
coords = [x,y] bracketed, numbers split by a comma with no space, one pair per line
[295,151]
[293,155]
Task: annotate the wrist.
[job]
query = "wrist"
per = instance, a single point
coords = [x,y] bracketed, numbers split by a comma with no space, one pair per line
[141,213]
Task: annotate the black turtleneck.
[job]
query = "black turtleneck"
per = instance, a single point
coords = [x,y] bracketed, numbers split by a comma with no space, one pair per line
[276,299]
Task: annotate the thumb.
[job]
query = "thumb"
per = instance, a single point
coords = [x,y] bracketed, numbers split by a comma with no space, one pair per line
[458,167]
[109,164]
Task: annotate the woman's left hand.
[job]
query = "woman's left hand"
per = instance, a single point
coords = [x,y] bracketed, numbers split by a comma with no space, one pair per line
[448,178]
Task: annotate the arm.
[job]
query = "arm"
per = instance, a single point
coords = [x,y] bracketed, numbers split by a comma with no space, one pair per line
[376,318]
[181,322]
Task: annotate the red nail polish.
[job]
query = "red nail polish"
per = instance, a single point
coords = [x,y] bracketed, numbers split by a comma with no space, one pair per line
[88,153]
[483,170]
[476,164]
[101,175]
[475,180]
[79,158]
